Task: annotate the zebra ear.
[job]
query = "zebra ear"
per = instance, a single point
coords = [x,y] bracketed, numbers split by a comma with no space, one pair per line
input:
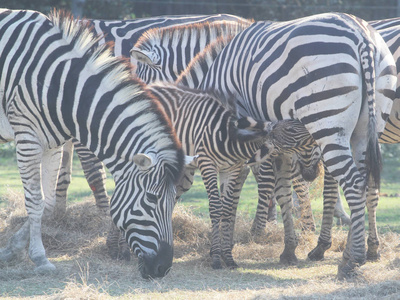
[190,159]
[143,56]
[143,161]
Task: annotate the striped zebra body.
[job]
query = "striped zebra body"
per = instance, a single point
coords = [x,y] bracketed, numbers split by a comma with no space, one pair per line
[306,165]
[207,129]
[389,29]
[313,69]
[56,85]
[163,53]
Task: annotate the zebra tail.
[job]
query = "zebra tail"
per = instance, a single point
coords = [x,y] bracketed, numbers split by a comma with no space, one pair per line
[373,158]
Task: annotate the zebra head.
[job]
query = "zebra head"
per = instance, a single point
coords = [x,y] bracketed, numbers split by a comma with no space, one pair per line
[285,136]
[145,216]
[147,65]
[307,162]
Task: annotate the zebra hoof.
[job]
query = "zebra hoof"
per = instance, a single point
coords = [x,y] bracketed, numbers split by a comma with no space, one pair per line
[124,255]
[216,264]
[289,259]
[45,269]
[373,255]
[347,271]
[317,254]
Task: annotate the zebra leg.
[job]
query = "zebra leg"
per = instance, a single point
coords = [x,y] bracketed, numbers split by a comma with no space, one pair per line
[373,239]
[64,180]
[282,168]
[38,203]
[265,178]
[236,196]
[340,214]
[95,175]
[210,179]
[301,188]
[325,238]
[116,243]
[228,182]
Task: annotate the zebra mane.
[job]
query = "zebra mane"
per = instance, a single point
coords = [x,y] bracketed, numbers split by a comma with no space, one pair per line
[204,58]
[118,73]
[73,31]
[156,36]
[85,43]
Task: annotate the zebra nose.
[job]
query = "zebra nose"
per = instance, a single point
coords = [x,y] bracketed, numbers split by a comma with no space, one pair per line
[153,266]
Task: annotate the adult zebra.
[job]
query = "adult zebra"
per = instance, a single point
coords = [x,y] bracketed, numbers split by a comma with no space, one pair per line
[389,29]
[164,53]
[56,85]
[304,165]
[314,69]
[123,34]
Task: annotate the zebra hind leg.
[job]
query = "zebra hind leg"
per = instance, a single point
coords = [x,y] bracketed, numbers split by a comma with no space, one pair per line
[373,239]
[283,195]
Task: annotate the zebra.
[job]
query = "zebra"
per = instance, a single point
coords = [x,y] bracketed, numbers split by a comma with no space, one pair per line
[295,69]
[123,34]
[161,54]
[389,29]
[305,166]
[56,84]
[208,129]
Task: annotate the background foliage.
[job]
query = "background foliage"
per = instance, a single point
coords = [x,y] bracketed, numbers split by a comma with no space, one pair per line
[278,10]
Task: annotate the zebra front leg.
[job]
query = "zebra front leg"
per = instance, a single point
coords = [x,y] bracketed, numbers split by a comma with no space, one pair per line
[210,179]
[301,189]
[228,183]
[64,179]
[283,195]
[95,175]
[325,238]
[116,243]
[265,178]
[236,196]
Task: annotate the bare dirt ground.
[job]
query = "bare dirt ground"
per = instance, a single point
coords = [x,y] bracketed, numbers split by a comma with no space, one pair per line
[75,244]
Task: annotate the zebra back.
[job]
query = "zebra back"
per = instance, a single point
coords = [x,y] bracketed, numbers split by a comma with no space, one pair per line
[391,35]
[198,115]
[163,53]
[125,33]
[198,67]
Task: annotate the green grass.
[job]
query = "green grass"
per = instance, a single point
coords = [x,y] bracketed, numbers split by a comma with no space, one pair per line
[387,215]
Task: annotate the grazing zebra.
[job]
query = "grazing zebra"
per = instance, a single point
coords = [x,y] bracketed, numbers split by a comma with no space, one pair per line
[124,34]
[389,29]
[57,84]
[163,53]
[314,69]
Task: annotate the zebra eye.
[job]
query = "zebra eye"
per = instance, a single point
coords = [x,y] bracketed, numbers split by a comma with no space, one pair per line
[152,198]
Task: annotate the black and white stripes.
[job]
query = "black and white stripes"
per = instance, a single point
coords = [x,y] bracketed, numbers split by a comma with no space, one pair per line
[56,85]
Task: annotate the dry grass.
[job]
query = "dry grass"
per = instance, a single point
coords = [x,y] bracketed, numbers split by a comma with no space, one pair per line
[75,243]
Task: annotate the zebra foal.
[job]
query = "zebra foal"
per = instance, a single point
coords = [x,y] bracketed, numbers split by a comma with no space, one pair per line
[315,69]
[209,129]
[56,84]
